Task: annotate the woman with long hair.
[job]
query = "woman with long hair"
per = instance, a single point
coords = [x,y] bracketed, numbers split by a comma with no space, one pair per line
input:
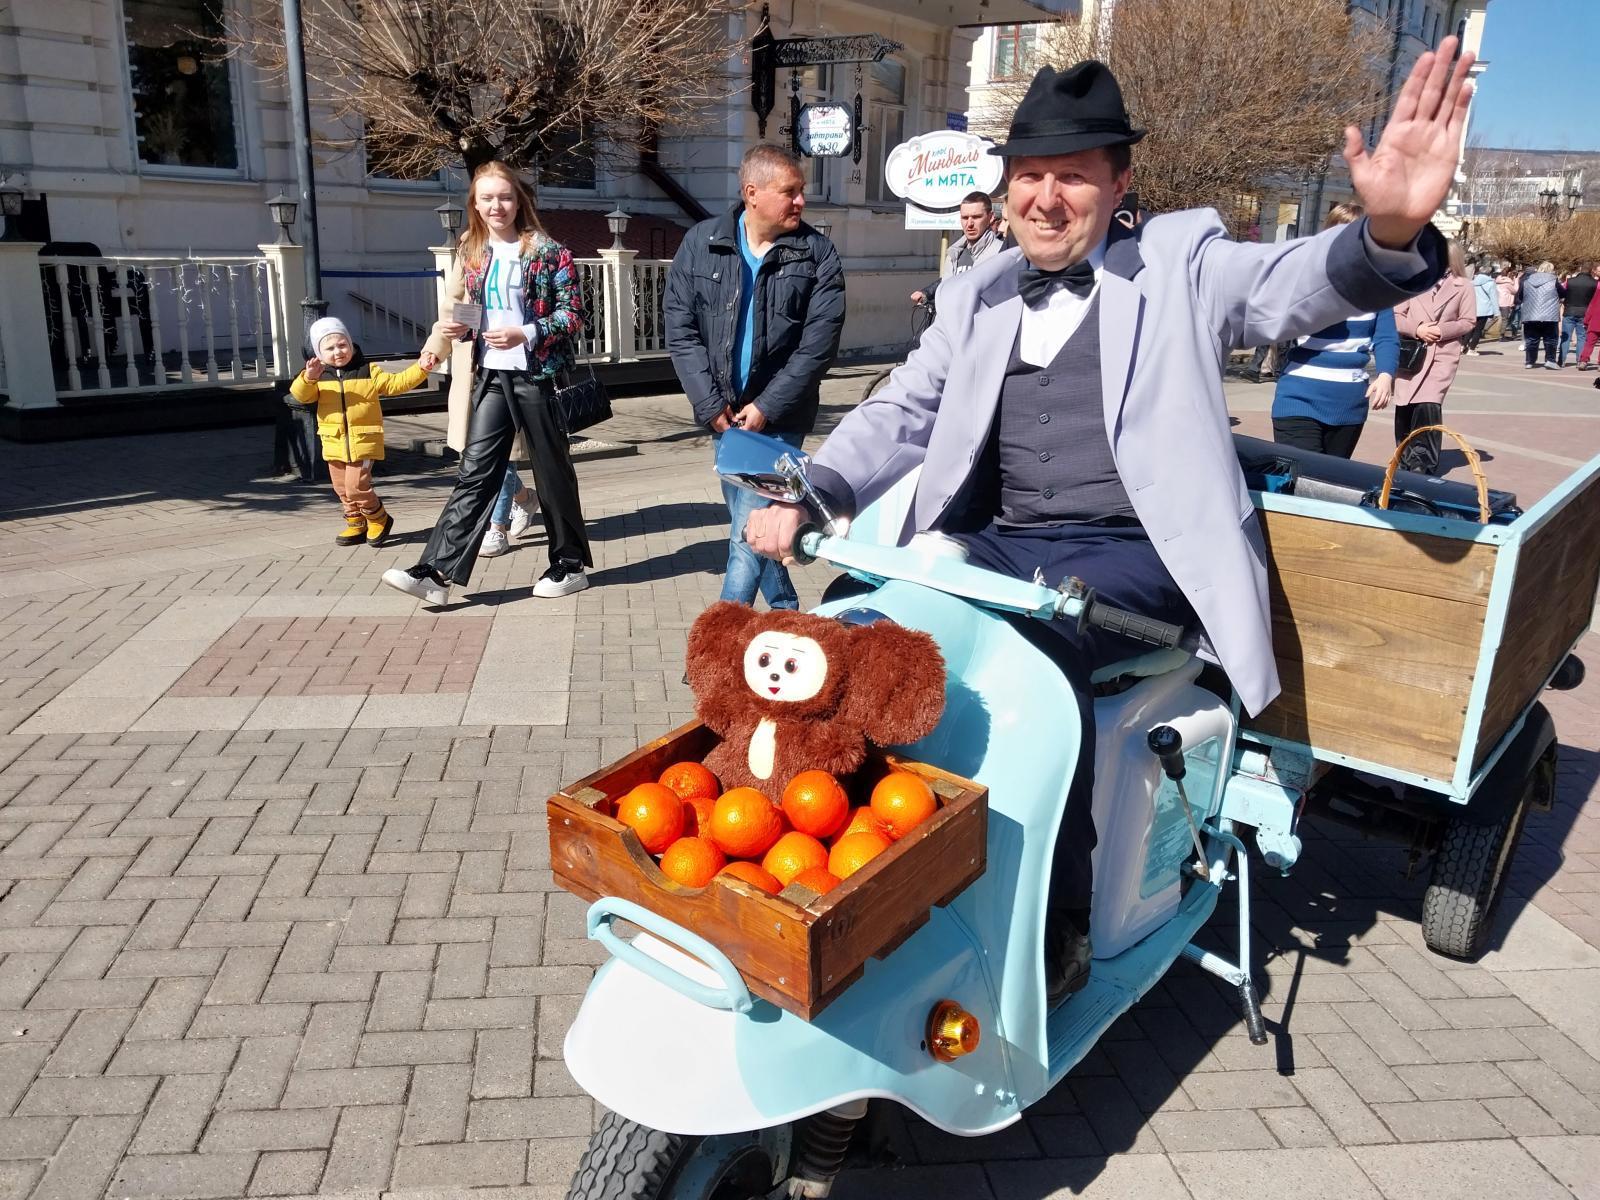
[1440,318]
[1323,390]
[503,383]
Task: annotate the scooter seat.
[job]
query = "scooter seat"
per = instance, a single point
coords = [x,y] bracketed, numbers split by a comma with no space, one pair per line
[1156,662]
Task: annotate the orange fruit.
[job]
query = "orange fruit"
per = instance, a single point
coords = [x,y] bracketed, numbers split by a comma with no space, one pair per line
[693,862]
[745,823]
[819,879]
[691,779]
[861,821]
[654,813]
[816,804]
[854,851]
[756,877]
[793,853]
[697,816]
[902,801]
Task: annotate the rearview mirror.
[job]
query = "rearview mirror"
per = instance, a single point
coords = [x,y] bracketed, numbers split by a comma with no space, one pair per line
[762,464]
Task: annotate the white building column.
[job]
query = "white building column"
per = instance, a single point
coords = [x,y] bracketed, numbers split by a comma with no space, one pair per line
[288,264]
[24,330]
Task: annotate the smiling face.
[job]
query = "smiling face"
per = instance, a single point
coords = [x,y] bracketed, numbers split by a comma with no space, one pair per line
[1060,206]
[335,350]
[496,201]
[781,666]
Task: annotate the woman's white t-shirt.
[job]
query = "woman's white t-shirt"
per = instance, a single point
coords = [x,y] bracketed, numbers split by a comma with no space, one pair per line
[502,305]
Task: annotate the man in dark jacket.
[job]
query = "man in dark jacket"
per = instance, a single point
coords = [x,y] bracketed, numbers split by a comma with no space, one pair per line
[1575,302]
[754,308]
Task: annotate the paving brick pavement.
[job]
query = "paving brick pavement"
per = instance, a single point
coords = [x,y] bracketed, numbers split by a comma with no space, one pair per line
[297,952]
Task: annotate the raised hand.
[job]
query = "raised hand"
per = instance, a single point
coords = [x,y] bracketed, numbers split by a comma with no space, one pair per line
[313,369]
[1406,177]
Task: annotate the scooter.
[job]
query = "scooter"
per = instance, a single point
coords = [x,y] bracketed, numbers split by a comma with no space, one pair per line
[748,1101]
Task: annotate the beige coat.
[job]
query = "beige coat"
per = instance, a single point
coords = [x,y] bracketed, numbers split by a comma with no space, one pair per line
[458,356]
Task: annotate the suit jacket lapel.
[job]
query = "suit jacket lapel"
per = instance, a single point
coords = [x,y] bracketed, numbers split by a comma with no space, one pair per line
[1121,308]
[994,333]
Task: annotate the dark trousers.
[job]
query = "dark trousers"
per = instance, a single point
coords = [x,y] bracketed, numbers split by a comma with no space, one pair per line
[1308,433]
[1422,454]
[1534,332]
[1476,335]
[504,402]
[1124,569]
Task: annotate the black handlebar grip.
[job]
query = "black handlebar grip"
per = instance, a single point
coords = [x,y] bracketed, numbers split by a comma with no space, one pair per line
[797,550]
[1141,629]
[1166,743]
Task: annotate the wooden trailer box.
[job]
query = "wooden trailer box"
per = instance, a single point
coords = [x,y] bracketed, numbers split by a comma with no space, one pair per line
[797,949]
[1411,645]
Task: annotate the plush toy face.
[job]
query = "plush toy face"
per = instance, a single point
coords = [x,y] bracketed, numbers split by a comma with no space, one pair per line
[784,666]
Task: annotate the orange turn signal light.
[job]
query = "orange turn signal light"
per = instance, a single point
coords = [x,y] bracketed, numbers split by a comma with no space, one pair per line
[952,1031]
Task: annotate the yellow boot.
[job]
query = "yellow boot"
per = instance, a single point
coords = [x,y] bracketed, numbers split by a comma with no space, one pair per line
[355,528]
[378,526]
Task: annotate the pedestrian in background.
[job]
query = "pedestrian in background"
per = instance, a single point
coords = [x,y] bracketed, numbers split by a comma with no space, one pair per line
[1487,298]
[1539,302]
[1505,283]
[753,311]
[1580,291]
[1591,325]
[1321,400]
[1440,318]
[348,392]
[522,284]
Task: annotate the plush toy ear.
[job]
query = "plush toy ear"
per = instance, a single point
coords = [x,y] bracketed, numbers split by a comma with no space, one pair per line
[715,660]
[895,693]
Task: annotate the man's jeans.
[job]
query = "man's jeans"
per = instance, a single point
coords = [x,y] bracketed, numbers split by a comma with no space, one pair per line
[1571,329]
[748,571]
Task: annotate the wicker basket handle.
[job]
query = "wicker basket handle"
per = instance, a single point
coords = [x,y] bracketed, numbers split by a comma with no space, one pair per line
[1472,461]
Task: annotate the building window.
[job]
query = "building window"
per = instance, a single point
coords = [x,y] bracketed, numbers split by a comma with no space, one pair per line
[569,161]
[1015,49]
[182,85]
[886,116]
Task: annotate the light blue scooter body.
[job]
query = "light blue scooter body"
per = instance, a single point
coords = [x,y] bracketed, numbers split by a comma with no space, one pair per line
[1011,723]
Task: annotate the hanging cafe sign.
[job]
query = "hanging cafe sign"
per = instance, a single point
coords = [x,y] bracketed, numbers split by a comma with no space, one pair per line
[931,173]
[814,129]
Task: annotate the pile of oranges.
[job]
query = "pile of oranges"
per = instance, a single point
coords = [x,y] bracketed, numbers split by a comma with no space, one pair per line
[813,838]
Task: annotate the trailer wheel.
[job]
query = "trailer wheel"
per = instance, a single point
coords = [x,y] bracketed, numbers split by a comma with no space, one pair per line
[629,1161]
[1469,872]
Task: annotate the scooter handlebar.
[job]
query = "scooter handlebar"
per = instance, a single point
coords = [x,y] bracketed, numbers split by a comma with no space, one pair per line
[1132,625]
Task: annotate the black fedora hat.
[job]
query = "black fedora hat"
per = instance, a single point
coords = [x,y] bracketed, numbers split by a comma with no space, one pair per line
[1067,111]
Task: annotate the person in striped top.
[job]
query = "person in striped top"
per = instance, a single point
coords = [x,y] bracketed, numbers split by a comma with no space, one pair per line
[1323,388]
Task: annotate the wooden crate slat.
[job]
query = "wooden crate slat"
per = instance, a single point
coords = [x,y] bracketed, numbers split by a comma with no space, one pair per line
[1552,603]
[1384,559]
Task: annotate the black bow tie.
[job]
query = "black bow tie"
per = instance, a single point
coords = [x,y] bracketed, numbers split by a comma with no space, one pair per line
[1035,284]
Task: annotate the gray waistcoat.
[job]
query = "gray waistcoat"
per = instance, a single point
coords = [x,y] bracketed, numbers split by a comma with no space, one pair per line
[1055,463]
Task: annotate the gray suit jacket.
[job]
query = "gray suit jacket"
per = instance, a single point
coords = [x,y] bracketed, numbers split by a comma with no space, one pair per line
[1175,297]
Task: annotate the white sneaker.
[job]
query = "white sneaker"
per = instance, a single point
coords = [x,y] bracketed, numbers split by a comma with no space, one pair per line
[521,518]
[560,580]
[495,543]
[436,595]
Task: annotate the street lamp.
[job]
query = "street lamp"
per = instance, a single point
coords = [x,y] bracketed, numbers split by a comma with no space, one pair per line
[449,218]
[1574,198]
[283,211]
[1547,203]
[617,222]
[10,206]
[823,226]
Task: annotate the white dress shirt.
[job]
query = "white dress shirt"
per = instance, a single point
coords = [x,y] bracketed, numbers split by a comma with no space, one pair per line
[1045,329]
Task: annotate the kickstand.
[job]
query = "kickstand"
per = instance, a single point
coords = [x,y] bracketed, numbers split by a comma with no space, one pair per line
[1238,973]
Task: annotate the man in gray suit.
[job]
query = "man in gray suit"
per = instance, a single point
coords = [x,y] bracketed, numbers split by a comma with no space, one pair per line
[1066,405]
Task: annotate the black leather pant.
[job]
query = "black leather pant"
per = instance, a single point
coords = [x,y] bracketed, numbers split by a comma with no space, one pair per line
[504,402]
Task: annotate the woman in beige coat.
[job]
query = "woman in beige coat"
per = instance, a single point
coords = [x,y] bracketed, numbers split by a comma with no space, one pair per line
[1440,318]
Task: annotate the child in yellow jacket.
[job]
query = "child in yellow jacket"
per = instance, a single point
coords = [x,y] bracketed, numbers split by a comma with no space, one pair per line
[350,422]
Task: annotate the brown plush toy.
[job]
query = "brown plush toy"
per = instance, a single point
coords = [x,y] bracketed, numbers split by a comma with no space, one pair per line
[790,692]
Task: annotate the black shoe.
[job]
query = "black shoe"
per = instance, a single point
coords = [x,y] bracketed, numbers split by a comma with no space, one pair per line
[1066,957]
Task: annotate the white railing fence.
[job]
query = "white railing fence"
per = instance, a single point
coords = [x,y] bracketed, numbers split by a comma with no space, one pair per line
[80,326]
[114,324]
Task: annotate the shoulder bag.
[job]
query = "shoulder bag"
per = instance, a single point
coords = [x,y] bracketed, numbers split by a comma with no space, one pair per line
[583,403]
[1413,352]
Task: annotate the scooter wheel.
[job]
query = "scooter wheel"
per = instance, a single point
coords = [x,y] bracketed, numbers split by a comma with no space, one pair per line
[629,1161]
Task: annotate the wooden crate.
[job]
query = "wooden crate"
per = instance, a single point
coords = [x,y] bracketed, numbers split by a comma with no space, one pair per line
[797,949]
[1411,645]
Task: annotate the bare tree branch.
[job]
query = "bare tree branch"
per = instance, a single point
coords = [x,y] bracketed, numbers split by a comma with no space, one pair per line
[435,82]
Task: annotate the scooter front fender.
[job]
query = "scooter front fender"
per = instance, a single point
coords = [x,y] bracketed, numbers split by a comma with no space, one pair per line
[649,1052]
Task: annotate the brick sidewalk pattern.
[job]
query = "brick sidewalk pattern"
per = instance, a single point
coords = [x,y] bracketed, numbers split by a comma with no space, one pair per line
[339,656]
[295,961]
